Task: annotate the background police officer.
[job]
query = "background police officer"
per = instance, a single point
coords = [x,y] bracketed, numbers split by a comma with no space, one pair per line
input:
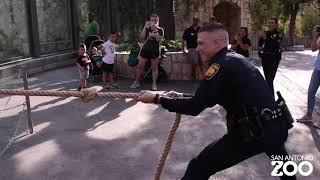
[270,51]
[238,86]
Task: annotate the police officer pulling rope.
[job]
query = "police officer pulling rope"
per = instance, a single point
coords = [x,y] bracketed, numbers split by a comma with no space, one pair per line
[255,122]
[270,51]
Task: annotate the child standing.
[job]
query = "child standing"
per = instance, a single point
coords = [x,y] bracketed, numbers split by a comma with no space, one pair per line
[109,52]
[83,63]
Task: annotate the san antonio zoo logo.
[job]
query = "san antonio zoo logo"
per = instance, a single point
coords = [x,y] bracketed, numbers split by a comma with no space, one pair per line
[290,165]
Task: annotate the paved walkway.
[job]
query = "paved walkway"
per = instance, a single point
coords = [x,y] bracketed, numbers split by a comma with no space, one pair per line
[117,139]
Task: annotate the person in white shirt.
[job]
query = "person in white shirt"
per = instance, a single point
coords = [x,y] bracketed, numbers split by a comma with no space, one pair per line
[108,52]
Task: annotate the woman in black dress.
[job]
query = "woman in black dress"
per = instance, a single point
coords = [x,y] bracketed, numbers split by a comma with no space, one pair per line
[152,34]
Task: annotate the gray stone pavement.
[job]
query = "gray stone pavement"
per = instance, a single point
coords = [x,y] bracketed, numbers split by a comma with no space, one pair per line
[120,139]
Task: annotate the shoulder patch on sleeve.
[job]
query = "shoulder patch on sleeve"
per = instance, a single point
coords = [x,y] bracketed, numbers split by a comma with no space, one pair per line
[211,71]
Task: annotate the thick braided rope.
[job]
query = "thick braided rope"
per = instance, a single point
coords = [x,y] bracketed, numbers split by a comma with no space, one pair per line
[65,93]
[83,94]
[167,146]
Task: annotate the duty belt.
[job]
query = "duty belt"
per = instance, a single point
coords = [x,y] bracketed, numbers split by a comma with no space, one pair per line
[280,50]
[251,124]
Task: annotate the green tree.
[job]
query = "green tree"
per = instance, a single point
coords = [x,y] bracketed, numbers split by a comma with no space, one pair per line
[290,9]
[285,10]
[261,10]
[309,19]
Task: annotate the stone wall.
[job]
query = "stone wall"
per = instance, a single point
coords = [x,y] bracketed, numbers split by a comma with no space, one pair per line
[175,64]
[13,30]
[186,9]
[83,14]
[184,12]
[54,25]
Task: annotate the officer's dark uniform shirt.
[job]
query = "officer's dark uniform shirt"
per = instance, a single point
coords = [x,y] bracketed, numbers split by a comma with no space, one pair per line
[233,83]
[272,42]
[190,35]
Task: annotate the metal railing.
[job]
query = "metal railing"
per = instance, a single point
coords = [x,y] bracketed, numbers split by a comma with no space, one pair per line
[305,41]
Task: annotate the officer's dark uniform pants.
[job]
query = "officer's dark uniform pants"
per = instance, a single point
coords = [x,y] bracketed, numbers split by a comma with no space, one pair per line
[270,63]
[226,152]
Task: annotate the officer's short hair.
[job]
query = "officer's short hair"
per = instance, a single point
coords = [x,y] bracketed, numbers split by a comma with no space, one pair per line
[211,27]
[218,29]
[275,19]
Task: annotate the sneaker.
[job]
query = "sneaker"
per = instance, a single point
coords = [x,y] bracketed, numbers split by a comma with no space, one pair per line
[135,84]
[317,124]
[154,87]
[305,119]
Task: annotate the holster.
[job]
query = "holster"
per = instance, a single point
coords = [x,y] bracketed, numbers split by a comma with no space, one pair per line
[284,110]
[249,126]
[281,113]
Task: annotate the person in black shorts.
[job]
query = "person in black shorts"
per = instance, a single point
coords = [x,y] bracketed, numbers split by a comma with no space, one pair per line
[108,52]
[189,45]
[150,50]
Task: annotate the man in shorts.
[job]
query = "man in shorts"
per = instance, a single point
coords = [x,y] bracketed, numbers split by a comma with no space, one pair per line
[189,45]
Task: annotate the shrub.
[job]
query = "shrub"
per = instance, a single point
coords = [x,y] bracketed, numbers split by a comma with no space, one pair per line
[125,47]
[172,45]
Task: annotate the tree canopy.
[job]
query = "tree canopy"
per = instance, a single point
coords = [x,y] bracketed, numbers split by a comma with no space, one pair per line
[286,11]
